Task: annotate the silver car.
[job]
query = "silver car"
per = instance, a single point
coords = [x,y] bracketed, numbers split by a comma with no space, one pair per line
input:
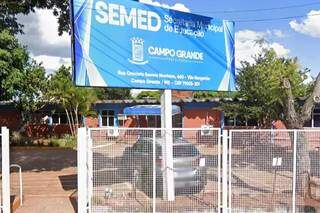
[190,173]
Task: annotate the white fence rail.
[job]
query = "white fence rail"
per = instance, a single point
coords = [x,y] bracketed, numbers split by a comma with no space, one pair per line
[124,170]
[5,172]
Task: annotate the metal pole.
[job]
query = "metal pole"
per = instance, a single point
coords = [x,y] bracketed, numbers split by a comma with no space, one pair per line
[219,170]
[294,179]
[167,147]
[154,171]
[5,170]
[225,171]
[20,180]
[229,150]
[82,169]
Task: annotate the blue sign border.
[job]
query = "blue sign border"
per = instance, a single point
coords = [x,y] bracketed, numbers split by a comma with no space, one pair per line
[226,83]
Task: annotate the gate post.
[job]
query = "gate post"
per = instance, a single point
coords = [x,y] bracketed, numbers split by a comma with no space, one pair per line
[167,148]
[225,171]
[5,170]
[294,182]
[82,170]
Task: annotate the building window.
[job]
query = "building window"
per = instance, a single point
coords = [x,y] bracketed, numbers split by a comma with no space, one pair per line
[153,121]
[229,121]
[59,118]
[239,121]
[108,118]
[316,120]
[177,121]
[122,120]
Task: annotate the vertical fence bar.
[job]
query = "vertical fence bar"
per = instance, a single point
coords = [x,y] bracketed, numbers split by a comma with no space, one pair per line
[225,171]
[294,178]
[154,171]
[90,171]
[167,153]
[219,170]
[230,171]
[82,169]
[5,170]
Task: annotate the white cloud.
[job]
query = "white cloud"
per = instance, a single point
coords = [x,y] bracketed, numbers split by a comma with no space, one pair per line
[279,34]
[276,33]
[177,6]
[247,47]
[48,27]
[52,63]
[42,39]
[279,49]
[309,26]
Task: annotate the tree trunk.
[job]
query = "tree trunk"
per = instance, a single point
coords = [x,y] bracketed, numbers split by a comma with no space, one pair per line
[303,164]
[77,119]
[69,122]
[296,120]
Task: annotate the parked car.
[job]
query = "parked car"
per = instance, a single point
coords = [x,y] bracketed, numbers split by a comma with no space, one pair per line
[190,173]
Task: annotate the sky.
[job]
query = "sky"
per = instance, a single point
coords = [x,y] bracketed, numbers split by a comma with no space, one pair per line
[292,37]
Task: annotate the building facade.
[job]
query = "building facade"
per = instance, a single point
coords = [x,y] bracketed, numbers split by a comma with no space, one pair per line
[52,120]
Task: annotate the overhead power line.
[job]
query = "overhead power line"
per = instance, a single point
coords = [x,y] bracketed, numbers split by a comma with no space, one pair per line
[264,9]
[258,19]
[275,19]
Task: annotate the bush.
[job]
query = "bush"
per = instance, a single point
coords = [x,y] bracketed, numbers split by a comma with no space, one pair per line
[17,139]
[67,141]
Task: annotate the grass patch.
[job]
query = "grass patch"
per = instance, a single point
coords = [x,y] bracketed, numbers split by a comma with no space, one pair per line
[67,141]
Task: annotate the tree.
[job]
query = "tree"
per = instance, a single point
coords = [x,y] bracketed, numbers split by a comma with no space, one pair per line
[9,9]
[214,94]
[260,86]
[272,88]
[296,117]
[27,87]
[76,101]
[113,94]
[21,79]
[149,95]
[13,58]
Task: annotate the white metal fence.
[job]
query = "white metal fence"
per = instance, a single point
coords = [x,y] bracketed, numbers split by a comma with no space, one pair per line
[128,171]
[271,170]
[5,171]
[131,170]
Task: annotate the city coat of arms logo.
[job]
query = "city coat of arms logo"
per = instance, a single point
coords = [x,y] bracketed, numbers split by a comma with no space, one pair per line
[137,51]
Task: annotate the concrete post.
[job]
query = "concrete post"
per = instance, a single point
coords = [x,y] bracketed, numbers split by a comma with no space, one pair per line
[5,146]
[167,148]
[82,170]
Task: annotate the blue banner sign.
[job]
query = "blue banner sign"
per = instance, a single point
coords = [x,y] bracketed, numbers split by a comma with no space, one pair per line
[133,45]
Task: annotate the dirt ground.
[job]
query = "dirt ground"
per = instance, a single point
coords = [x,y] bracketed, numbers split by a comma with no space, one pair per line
[49,179]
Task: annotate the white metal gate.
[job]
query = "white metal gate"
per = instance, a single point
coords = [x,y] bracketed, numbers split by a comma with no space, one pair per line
[5,171]
[124,170]
[127,170]
[266,168]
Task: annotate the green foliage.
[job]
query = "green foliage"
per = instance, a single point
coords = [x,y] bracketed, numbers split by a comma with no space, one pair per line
[75,100]
[21,79]
[9,9]
[16,137]
[113,94]
[18,140]
[213,94]
[27,87]
[261,90]
[13,59]
[149,95]
[67,141]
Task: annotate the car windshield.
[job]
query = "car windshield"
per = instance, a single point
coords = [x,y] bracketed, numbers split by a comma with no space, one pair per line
[180,148]
[185,151]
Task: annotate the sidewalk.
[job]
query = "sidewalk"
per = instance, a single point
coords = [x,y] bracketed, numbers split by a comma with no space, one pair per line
[49,179]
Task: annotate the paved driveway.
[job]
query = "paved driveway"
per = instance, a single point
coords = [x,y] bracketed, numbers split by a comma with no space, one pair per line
[49,179]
